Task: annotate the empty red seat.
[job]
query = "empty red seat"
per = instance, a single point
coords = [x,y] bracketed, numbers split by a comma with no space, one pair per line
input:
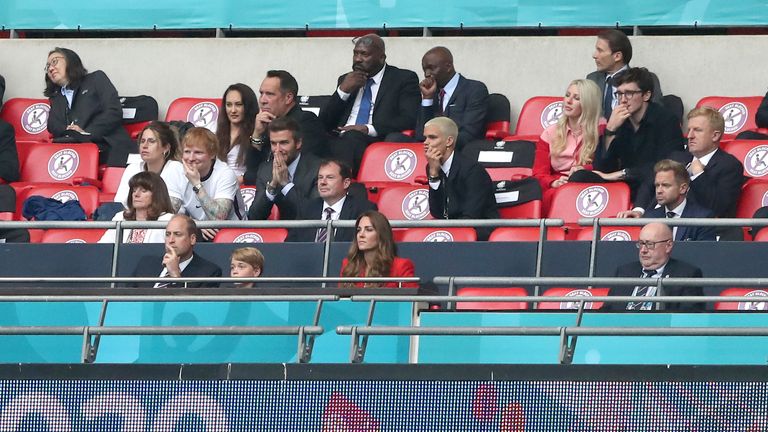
[386,164]
[573,201]
[525,234]
[251,235]
[753,196]
[738,112]
[60,163]
[452,234]
[29,118]
[133,129]
[110,181]
[202,112]
[492,292]
[72,235]
[573,292]
[529,210]
[537,113]
[754,299]
[87,195]
[753,154]
[405,202]
[612,233]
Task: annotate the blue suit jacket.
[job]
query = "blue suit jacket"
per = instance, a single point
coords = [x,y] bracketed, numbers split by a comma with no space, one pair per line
[688,233]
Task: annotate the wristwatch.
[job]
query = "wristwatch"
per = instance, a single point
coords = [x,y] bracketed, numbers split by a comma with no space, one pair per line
[257,142]
[197,188]
[271,189]
[609,132]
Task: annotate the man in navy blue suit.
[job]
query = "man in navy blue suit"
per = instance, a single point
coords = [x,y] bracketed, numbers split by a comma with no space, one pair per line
[672,184]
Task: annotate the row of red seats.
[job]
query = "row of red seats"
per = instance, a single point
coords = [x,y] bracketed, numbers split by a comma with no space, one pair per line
[580,293]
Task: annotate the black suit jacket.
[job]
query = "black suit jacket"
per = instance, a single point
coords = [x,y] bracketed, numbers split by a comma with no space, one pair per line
[467,193]
[150,266]
[394,109]
[313,209]
[688,233]
[304,186]
[718,188]
[314,141]
[9,157]
[761,117]
[674,268]
[467,107]
[96,109]
[2,89]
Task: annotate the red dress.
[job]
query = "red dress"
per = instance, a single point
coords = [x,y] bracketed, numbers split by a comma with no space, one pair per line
[401,267]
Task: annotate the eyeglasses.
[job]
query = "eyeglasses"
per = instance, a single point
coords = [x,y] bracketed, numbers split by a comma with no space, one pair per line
[629,93]
[650,245]
[54,61]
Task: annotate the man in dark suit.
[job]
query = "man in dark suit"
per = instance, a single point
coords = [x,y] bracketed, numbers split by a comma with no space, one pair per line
[612,54]
[445,92]
[459,188]
[179,259]
[672,184]
[371,101]
[761,120]
[277,99]
[9,172]
[334,202]
[291,174]
[655,247]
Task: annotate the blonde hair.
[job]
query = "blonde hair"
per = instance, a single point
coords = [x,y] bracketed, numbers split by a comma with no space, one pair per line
[713,116]
[250,256]
[591,110]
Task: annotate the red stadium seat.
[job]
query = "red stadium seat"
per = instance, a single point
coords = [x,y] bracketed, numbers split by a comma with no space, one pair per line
[738,112]
[525,234]
[133,129]
[612,233]
[249,193]
[573,201]
[110,181]
[60,163]
[73,235]
[753,196]
[537,113]
[761,236]
[757,299]
[753,154]
[453,234]
[405,202]
[202,112]
[497,122]
[387,164]
[87,195]
[573,292]
[529,210]
[251,235]
[492,292]
[29,118]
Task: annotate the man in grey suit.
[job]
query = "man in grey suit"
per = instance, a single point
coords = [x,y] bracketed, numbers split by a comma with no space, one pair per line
[288,174]
[612,54]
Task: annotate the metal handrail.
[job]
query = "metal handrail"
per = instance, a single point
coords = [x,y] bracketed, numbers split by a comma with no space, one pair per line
[598,281]
[297,280]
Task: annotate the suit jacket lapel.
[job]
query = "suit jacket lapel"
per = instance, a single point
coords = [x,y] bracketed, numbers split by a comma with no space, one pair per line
[457,91]
[382,85]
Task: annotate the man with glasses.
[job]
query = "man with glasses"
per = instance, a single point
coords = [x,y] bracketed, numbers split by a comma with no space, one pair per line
[655,247]
[639,133]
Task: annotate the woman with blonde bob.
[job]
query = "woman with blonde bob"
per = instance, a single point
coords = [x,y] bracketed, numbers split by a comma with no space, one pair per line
[569,145]
[373,253]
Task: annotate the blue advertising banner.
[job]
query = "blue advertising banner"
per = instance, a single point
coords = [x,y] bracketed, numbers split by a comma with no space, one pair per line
[344,14]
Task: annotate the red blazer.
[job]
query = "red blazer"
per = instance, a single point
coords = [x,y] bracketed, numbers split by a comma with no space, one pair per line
[401,267]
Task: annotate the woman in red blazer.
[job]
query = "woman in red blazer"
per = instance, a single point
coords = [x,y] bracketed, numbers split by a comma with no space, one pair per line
[373,253]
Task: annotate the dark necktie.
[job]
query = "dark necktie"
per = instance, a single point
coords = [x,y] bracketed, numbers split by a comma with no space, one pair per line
[671,215]
[440,100]
[322,233]
[608,97]
[641,291]
[366,102]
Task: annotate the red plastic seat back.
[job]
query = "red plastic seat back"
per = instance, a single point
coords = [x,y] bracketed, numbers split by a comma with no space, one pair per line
[87,195]
[249,193]
[492,292]
[573,292]
[537,113]
[613,233]
[72,235]
[573,201]
[753,196]
[405,203]
[29,118]
[755,299]
[59,163]
[525,234]
[738,112]
[453,234]
[134,129]
[392,162]
[529,210]
[753,154]
[251,235]
[202,112]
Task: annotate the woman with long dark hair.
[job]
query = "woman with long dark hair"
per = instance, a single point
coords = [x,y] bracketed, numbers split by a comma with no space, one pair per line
[234,129]
[148,200]
[85,107]
[373,253]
